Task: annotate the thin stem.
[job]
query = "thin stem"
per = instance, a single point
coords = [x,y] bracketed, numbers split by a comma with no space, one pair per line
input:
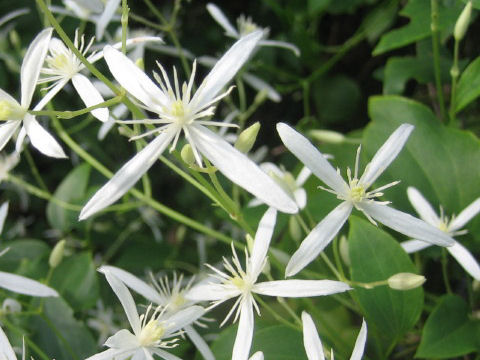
[34,169]
[124,21]
[445,271]
[275,313]
[436,57]
[454,73]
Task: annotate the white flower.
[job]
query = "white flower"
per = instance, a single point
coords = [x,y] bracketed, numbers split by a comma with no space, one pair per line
[293,187]
[16,113]
[245,27]
[173,298]
[181,112]
[152,332]
[354,194]
[6,350]
[242,284]
[313,344]
[450,226]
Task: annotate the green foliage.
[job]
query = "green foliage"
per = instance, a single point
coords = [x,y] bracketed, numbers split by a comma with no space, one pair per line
[469,85]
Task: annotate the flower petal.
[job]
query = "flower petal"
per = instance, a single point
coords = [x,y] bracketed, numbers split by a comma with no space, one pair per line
[319,238]
[3,214]
[165,355]
[260,85]
[226,68]
[90,96]
[257,356]
[134,80]
[183,318]
[7,130]
[237,167]
[122,339]
[243,340]
[32,63]
[300,196]
[23,285]
[303,176]
[406,224]
[41,139]
[311,158]
[199,343]
[222,20]
[414,245]
[386,154]
[465,259]
[5,348]
[211,292]
[7,97]
[300,288]
[112,354]
[422,207]
[465,216]
[128,175]
[134,283]
[50,94]
[281,44]
[107,15]
[311,340]
[359,347]
[262,241]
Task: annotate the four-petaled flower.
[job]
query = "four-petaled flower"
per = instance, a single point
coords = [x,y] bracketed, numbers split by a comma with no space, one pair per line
[450,226]
[354,194]
[242,284]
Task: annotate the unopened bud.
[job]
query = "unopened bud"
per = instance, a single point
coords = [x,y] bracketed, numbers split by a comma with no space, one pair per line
[15,39]
[140,63]
[328,136]
[294,229]
[344,254]
[187,154]
[463,21]
[247,138]
[261,96]
[405,281]
[56,255]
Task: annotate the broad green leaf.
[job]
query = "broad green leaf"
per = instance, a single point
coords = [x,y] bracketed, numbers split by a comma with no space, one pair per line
[376,256]
[28,250]
[448,331]
[443,163]
[418,11]
[80,288]
[468,86]
[71,190]
[379,19]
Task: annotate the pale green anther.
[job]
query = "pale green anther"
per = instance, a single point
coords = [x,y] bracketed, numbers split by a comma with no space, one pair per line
[357,192]
[327,136]
[56,256]
[247,138]
[187,154]
[10,111]
[151,333]
[463,21]
[178,109]
[59,62]
[443,226]
[405,281]
[246,25]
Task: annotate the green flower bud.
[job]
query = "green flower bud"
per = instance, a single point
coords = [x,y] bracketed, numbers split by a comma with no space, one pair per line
[187,155]
[463,21]
[405,281]
[344,254]
[294,228]
[247,138]
[328,136]
[56,255]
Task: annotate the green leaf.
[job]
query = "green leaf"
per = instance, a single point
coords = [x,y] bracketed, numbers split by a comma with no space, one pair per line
[379,19]
[442,163]
[448,331]
[25,250]
[80,288]
[468,86]
[71,190]
[376,256]
[418,11]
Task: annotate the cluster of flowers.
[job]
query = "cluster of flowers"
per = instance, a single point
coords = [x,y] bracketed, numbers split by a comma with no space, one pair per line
[178,109]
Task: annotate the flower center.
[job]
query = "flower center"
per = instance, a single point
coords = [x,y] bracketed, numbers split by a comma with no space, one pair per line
[246,25]
[178,111]
[357,192]
[243,284]
[10,111]
[151,333]
[443,226]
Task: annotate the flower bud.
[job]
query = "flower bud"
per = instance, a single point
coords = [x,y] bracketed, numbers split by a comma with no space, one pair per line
[56,255]
[328,136]
[405,281]
[344,254]
[187,155]
[247,138]
[294,228]
[463,21]
[15,39]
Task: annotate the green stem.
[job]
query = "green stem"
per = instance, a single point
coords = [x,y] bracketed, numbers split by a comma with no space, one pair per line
[124,21]
[436,57]
[34,169]
[454,73]
[445,271]
[275,313]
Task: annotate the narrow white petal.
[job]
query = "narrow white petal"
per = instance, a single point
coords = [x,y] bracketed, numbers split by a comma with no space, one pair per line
[319,238]
[165,355]
[300,196]
[139,40]
[311,340]
[23,285]
[134,283]
[134,80]
[41,139]
[22,134]
[465,259]
[386,154]
[112,354]
[243,340]
[260,85]
[32,63]
[90,96]
[359,347]
[128,175]
[7,130]
[122,339]
[226,68]
[300,288]
[281,44]
[3,214]
[5,347]
[211,292]
[303,176]
[406,224]
[107,15]
[414,245]
[422,207]
[465,216]
[222,20]
[126,300]
[199,343]
[257,356]
[237,167]
[183,318]
[311,158]
[262,241]
[50,94]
